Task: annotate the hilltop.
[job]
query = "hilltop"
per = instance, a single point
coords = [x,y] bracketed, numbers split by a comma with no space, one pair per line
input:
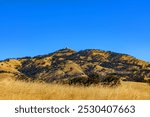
[67,65]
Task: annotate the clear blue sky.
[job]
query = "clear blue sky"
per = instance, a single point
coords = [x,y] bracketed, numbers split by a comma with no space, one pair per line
[35,27]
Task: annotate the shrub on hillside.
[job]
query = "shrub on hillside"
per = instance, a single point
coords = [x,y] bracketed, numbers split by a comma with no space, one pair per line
[22,77]
[111,80]
[149,82]
[108,80]
[2,71]
[78,81]
[27,57]
[93,79]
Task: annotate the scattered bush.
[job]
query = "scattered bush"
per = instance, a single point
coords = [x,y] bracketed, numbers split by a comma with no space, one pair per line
[27,57]
[2,71]
[111,80]
[78,81]
[93,79]
[149,82]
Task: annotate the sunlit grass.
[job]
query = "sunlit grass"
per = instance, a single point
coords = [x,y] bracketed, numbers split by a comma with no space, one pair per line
[19,90]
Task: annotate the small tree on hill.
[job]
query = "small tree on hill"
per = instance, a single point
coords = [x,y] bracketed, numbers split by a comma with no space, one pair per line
[111,80]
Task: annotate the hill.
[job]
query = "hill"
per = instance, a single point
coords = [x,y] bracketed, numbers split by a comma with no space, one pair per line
[69,66]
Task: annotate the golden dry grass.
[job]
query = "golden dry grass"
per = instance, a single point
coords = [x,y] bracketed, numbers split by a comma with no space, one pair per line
[19,90]
[10,66]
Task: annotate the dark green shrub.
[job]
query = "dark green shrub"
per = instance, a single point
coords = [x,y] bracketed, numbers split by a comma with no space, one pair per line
[149,82]
[111,80]
[93,79]
[108,80]
[78,81]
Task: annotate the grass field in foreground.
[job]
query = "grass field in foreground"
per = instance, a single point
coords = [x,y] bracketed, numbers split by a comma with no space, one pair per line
[19,90]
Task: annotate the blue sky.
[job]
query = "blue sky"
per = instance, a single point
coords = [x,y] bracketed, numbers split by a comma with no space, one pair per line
[35,27]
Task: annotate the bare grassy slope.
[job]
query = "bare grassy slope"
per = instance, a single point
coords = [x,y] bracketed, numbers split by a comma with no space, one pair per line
[10,89]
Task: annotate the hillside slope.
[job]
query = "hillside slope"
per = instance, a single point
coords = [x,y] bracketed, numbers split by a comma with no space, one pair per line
[67,64]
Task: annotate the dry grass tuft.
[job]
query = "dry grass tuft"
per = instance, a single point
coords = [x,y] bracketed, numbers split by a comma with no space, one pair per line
[19,90]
